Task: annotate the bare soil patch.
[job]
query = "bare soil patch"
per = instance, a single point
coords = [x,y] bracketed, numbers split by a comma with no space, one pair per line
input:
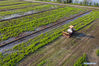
[64,52]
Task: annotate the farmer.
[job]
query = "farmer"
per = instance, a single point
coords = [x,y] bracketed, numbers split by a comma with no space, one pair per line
[69,32]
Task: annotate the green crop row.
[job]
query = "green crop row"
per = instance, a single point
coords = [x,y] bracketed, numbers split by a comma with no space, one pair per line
[12,3]
[15,30]
[18,6]
[81,61]
[25,48]
[27,18]
[31,17]
[41,63]
[22,11]
[7,2]
[97,52]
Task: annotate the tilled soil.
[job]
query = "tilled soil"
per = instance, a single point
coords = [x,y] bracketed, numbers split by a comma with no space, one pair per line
[65,52]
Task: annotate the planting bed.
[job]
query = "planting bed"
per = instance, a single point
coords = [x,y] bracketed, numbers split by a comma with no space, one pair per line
[33,44]
[27,10]
[8,3]
[30,35]
[36,39]
[14,27]
[66,51]
[13,7]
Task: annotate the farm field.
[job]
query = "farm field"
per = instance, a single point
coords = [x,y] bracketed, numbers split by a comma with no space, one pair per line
[31,34]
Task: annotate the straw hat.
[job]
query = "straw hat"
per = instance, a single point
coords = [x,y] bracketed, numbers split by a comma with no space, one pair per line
[71,26]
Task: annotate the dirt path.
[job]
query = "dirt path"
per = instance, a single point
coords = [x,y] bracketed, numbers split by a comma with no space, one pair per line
[64,52]
[93,57]
[78,6]
[87,46]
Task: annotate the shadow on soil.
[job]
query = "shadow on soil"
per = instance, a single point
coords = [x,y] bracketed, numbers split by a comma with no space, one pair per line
[80,35]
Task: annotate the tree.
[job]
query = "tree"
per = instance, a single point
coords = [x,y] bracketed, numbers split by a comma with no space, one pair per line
[85,2]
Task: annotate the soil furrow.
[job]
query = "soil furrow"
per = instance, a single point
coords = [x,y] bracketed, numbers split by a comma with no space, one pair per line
[29,14]
[44,29]
[19,8]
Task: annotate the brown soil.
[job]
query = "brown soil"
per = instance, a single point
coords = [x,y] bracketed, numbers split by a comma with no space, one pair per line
[25,36]
[65,52]
[93,57]
[87,45]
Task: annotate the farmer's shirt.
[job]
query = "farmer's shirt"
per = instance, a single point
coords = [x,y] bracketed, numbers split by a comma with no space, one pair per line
[70,30]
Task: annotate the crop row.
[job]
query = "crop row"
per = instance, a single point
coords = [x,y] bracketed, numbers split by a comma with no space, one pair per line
[81,61]
[22,50]
[97,52]
[15,30]
[42,63]
[12,3]
[7,2]
[27,18]
[36,8]
[18,6]
[24,19]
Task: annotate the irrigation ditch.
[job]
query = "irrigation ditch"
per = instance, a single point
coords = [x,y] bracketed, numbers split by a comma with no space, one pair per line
[23,38]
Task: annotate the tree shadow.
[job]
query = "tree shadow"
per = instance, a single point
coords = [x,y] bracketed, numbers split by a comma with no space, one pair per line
[80,35]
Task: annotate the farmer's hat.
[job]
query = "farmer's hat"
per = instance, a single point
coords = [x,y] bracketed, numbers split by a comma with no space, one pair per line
[71,26]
